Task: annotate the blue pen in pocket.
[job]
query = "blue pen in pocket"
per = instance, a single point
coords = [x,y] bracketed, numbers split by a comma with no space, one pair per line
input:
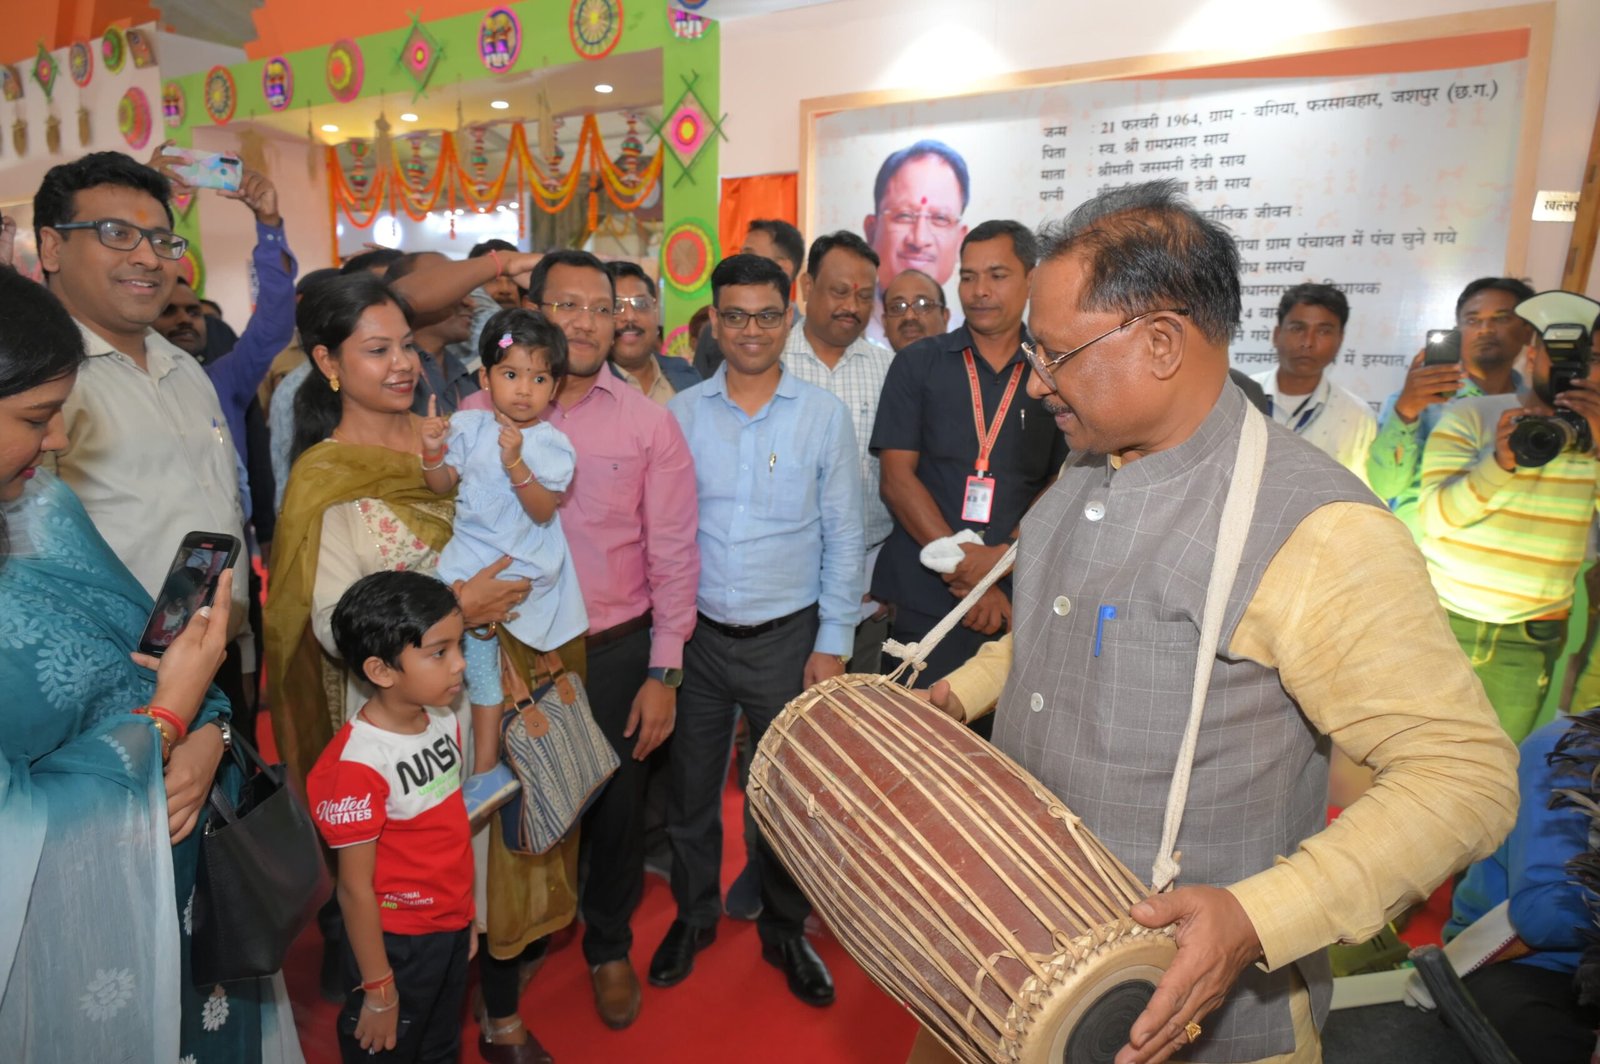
[1107,613]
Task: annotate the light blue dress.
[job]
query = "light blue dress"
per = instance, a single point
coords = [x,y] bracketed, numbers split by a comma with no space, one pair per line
[94,928]
[491,524]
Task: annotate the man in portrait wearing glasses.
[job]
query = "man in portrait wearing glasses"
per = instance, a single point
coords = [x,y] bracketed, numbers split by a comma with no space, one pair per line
[636,350]
[1133,305]
[918,199]
[963,447]
[780,541]
[913,308]
[150,452]
[630,518]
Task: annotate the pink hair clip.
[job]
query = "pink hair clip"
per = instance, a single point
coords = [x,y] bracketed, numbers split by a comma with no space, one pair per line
[506,341]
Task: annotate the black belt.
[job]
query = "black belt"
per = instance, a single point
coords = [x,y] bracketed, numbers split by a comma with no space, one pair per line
[596,640]
[750,631]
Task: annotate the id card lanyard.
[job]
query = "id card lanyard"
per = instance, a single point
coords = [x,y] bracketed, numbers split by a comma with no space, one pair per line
[978,504]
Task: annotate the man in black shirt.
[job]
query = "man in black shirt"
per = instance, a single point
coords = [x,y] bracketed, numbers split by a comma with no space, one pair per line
[959,451]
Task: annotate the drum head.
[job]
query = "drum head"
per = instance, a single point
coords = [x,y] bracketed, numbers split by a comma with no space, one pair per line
[1103,1028]
[1085,1017]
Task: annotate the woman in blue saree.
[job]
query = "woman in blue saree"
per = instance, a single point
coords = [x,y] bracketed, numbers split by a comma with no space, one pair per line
[101,837]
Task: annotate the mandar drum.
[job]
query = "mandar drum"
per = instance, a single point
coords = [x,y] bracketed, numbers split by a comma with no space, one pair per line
[963,887]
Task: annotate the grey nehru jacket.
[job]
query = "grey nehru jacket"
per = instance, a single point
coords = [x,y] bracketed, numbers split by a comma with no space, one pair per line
[1103,731]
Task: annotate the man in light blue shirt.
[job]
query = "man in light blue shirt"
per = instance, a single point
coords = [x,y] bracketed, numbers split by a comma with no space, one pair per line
[781,550]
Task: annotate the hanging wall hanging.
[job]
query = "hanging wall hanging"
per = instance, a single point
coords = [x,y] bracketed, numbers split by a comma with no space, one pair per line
[420,55]
[133,118]
[10,83]
[277,83]
[141,48]
[595,27]
[113,49]
[221,95]
[345,70]
[499,40]
[80,63]
[44,71]
[174,105]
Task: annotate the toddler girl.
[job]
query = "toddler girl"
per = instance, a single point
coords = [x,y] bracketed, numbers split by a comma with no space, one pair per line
[511,468]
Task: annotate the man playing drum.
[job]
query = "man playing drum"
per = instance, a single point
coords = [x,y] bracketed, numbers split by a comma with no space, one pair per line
[1331,636]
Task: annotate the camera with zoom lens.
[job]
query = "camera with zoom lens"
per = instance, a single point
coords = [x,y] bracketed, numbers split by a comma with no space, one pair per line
[1565,323]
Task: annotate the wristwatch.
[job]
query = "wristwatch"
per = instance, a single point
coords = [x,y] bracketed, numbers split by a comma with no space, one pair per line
[673,678]
[227,734]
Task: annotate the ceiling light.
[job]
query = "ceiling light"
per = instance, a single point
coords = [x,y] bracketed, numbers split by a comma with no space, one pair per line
[408,117]
[330,128]
[499,105]
[603,88]
[513,205]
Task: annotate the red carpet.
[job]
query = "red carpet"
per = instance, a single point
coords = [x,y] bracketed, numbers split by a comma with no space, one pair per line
[735,1007]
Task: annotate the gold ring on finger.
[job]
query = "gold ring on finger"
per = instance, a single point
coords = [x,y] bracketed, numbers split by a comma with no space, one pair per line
[1192,1029]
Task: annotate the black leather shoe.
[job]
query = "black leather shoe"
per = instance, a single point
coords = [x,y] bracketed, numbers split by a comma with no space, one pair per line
[674,958]
[808,976]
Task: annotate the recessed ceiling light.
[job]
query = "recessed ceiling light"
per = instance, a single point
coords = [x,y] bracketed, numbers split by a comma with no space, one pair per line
[603,88]
[514,205]
[499,105]
[408,117]
[330,128]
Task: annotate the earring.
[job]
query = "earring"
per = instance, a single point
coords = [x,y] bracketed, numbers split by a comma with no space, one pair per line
[333,383]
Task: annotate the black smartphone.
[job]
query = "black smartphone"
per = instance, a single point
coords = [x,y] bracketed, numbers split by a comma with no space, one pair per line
[191,583]
[1443,348]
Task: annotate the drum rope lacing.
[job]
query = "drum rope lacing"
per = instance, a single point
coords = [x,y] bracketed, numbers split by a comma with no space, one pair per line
[1237,511]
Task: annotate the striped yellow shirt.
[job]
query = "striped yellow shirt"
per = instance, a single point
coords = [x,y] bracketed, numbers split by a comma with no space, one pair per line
[1501,547]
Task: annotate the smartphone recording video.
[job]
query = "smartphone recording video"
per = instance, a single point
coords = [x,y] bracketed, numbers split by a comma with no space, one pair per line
[190,584]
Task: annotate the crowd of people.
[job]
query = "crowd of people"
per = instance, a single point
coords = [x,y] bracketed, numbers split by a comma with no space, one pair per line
[454,466]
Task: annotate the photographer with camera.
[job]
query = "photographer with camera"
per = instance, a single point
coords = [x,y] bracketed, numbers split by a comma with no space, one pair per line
[1508,498]
[1475,358]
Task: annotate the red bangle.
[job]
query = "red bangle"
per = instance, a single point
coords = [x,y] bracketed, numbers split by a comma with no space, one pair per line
[373,987]
[499,270]
[158,713]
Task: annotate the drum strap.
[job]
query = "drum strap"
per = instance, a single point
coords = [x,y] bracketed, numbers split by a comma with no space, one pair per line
[1237,511]
[914,657]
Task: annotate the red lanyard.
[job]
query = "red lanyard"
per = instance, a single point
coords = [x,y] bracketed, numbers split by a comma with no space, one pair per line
[988,434]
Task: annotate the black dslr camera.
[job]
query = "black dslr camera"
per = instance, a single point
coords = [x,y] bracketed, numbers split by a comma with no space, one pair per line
[1564,322]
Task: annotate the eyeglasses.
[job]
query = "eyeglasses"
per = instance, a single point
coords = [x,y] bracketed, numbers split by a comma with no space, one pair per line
[738,319]
[905,219]
[1493,321]
[642,304]
[124,236]
[896,308]
[1044,362]
[603,311]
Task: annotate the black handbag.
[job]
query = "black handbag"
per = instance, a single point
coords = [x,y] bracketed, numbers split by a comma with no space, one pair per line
[260,871]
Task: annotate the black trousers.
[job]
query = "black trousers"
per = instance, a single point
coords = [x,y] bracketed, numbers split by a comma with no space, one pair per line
[430,974]
[722,674]
[612,837]
[1536,1011]
[953,650]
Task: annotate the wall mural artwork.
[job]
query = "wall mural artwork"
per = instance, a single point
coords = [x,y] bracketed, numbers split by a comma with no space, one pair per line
[686,257]
[420,55]
[141,48]
[44,71]
[11,84]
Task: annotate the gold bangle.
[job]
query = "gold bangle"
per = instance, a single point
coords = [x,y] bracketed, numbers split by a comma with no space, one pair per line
[484,632]
[513,465]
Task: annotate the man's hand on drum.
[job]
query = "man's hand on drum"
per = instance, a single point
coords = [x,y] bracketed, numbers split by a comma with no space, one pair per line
[989,614]
[940,697]
[1216,940]
[820,666]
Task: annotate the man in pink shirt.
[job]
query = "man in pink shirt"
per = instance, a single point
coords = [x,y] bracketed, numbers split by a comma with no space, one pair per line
[631,517]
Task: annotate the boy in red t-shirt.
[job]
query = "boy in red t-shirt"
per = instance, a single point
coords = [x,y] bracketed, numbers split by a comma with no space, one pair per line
[386,794]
